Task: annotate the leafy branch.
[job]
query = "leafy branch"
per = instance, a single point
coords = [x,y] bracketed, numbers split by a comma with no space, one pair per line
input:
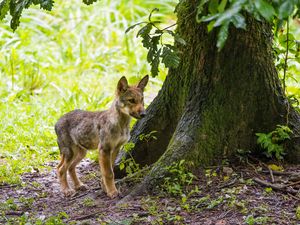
[15,8]
[286,49]
[158,51]
[223,13]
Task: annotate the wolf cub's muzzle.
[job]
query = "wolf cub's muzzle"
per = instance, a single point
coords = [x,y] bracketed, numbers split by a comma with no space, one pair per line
[143,114]
[138,115]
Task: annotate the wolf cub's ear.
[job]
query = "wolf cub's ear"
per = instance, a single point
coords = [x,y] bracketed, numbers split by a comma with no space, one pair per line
[122,85]
[142,84]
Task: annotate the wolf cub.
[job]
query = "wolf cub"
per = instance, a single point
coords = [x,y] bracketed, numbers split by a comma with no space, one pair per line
[79,130]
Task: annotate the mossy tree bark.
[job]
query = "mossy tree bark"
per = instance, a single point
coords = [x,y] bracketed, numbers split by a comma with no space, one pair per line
[215,101]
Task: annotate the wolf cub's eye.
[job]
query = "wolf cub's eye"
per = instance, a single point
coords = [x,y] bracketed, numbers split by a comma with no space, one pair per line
[131,101]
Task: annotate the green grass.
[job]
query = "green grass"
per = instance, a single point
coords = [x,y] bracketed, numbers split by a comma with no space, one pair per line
[57,61]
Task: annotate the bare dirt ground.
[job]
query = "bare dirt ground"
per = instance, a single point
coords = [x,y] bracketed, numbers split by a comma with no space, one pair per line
[226,196]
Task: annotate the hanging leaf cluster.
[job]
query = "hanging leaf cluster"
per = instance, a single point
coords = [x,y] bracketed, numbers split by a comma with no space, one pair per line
[222,13]
[15,8]
[284,42]
[287,55]
[158,52]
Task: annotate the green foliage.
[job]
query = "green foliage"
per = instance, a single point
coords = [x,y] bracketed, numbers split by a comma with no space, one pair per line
[57,219]
[88,202]
[222,13]
[215,202]
[287,60]
[160,214]
[9,204]
[15,8]
[158,51]
[178,178]
[268,190]
[148,137]
[251,220]
[129,164]
[27,202]
[89,2]
[298,212]
[272,142]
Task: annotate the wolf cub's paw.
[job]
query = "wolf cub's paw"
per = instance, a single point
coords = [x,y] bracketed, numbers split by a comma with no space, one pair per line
[68,192]
[81,187]
[113,194]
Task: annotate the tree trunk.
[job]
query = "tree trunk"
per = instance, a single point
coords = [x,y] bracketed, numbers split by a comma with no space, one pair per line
[214,102]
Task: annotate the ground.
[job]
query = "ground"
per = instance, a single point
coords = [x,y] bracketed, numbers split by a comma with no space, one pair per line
[223,195]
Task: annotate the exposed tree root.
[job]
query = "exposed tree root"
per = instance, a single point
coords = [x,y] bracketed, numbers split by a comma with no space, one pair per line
[184,138]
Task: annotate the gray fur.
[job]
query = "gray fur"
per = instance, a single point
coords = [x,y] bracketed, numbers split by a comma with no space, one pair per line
[87,130]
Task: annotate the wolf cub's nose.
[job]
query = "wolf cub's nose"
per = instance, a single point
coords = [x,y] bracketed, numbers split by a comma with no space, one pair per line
[142,114]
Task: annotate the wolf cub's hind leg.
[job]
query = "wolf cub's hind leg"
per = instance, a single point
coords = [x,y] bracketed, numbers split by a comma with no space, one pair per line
[72,169]
[62,173]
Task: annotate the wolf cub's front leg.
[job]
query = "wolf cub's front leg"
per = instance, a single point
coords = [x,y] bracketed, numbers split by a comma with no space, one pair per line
[105,162]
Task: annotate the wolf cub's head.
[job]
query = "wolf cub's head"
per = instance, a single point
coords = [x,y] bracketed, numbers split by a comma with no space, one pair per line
[130,99]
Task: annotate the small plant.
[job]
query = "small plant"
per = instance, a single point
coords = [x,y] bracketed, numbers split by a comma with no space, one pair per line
[268,190]
[88,202]
[179,177]
[35,184]
[298,213]
[160,214]
[57,220]
[272,142]
[251,220]
[148,137]
[215,202]
[26,201]
[8,204]
[129,164]
[242,154]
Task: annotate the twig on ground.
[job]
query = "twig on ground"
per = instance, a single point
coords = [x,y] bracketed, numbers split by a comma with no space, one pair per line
[228,184]
[84,217]
[88,216]
[74,198]
[271,174]
[294,197]
[14,213]
[279,173]
[277,187]
[8,185]
[77,195]
[254,168]
[292,184]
